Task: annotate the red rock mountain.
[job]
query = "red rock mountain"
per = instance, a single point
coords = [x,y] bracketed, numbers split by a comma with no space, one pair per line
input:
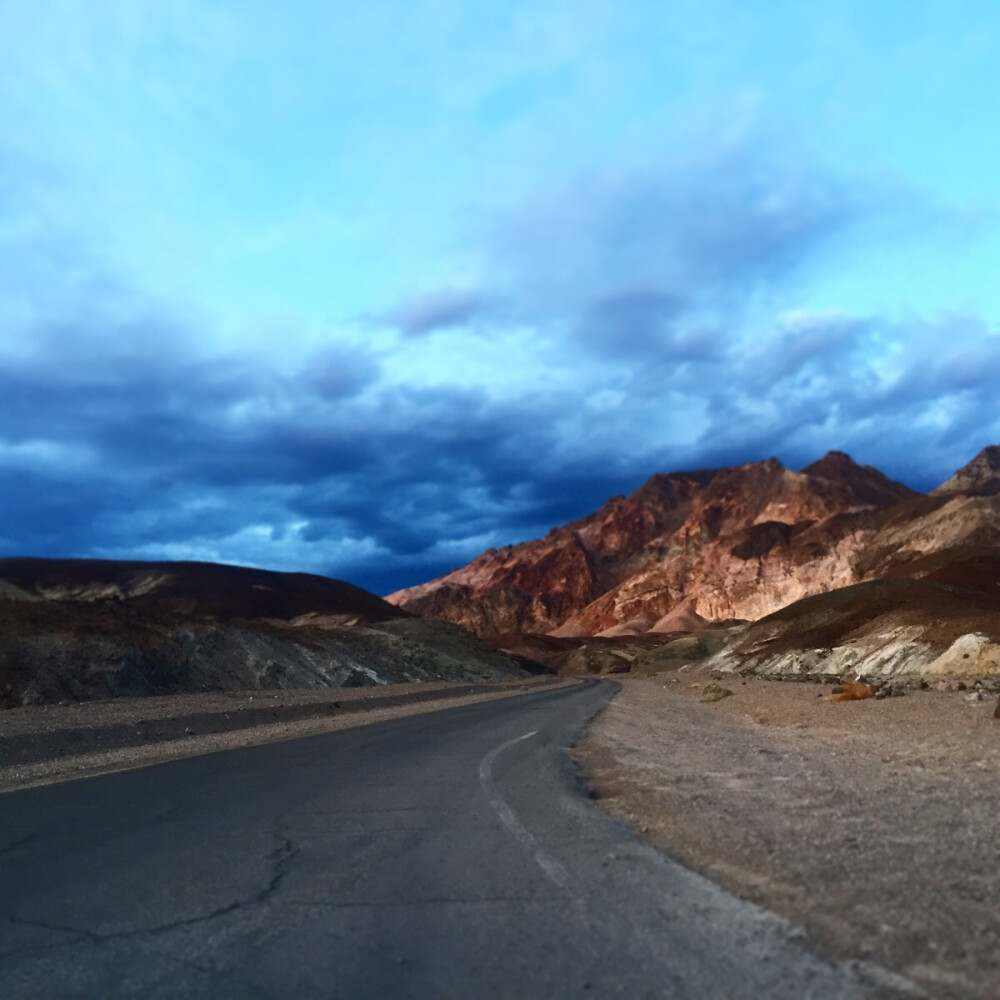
[713,544]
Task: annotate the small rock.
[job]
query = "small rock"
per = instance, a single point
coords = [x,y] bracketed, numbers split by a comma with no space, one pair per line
[714,692]
[855,691]
[996,711]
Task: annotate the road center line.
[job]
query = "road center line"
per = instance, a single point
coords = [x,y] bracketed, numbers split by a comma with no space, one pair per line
[552,868]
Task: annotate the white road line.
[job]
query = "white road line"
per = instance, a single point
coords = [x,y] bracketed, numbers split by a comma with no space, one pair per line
[552,868]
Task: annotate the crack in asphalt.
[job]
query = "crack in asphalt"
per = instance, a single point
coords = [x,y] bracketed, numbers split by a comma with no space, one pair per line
[280,860]
[81,935]
[18,843]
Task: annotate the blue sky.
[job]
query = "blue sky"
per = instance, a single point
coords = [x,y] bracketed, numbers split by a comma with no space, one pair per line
[363,289]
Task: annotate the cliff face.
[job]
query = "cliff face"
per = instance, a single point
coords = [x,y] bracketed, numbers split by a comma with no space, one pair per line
[726,543]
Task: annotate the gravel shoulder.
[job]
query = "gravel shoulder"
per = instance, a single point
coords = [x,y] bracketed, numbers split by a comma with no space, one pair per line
[40,745]
[872,824]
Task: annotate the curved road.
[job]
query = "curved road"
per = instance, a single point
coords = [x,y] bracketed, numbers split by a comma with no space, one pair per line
[451,854]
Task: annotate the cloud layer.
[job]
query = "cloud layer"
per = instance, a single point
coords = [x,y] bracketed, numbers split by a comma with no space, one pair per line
[620,324]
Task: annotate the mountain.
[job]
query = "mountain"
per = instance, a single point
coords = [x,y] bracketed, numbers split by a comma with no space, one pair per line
[88,629]
[711,544]
[981,475]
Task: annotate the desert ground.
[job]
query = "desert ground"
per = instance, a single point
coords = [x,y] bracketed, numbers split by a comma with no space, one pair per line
[871,823]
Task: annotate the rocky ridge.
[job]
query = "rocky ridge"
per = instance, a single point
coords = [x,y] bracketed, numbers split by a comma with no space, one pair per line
[981,475]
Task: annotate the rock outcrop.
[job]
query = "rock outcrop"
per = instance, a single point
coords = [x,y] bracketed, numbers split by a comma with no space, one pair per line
[884,630]
[718,544]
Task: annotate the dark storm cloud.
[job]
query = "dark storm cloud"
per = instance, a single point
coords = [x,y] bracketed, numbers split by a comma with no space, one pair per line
[120,436]
[450,455]
[126,436]
[335,373]
[42,508]
[114,444]
[151,450]
[156,410]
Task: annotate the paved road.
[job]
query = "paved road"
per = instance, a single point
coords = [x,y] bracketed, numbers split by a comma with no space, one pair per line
[443,855]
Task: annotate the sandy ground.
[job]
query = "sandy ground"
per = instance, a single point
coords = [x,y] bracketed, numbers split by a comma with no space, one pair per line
[873,824]
[43,744]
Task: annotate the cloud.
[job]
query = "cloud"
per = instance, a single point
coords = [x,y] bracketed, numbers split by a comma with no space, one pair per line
[717,225]
[912,397]
[221,458]
[120,438]
[633,322]
[438,310]
[335,372]
[111,450]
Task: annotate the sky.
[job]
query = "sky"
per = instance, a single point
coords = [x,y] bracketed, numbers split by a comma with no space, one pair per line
[365,289]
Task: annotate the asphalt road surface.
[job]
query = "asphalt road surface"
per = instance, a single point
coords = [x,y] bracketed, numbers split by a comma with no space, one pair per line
[452,854]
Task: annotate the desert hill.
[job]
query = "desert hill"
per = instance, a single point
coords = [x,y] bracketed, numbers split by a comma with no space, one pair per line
[205,589]
[84,629]
[889,629]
